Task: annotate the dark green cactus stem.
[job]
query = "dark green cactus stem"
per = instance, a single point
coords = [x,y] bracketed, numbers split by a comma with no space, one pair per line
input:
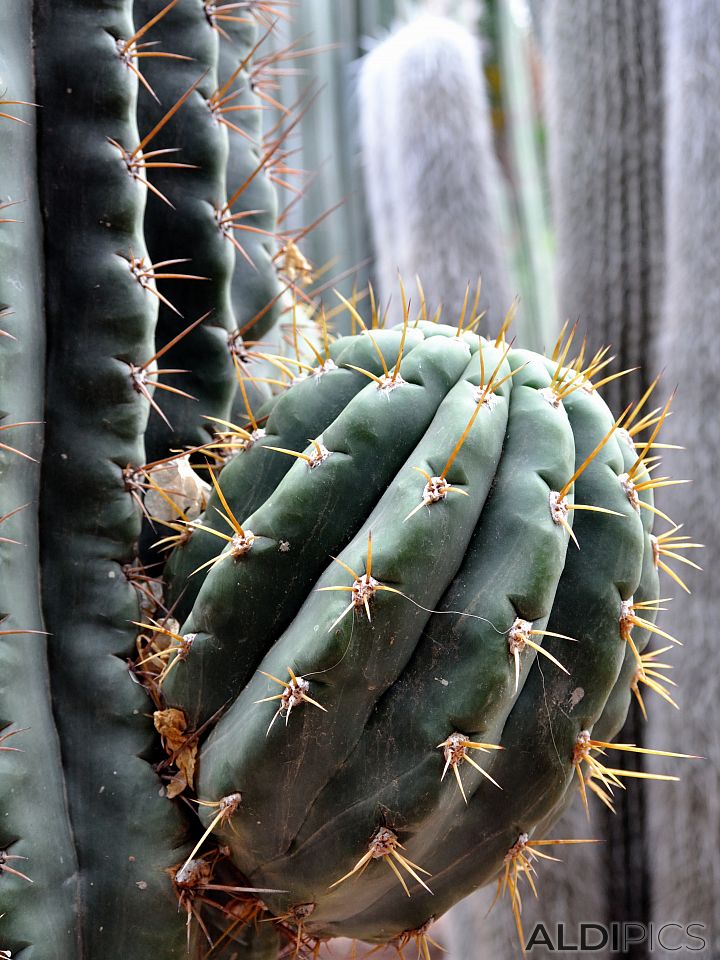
[252,206]
[540,732]
[190,227]
[385,693]
[248,480]
[255,286]
[319,506]
[38,914]
[100,332]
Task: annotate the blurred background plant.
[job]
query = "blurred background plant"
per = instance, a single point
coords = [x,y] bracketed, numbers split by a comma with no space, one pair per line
[567,152]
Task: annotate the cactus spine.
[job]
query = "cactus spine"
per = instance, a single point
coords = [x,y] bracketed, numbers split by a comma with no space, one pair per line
[375,625]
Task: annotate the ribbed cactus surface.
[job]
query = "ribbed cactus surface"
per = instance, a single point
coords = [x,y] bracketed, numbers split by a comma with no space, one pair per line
[414,607]
[410,627]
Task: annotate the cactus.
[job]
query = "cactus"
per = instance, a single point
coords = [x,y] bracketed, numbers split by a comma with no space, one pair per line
[340,695]
[430,167]
[385,645]
[689,820]
[605,116]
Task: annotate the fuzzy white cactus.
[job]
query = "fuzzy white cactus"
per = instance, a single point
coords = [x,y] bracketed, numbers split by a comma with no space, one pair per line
[432,179]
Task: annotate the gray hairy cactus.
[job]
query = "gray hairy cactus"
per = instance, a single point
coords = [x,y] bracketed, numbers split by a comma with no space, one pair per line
[432,180]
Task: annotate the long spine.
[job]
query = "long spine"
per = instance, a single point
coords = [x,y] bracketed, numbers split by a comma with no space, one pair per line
[193,227]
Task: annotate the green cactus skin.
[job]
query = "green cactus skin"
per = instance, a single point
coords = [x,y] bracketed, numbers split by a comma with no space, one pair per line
[255,283]
[191,229]
[535,768]
[616,708]
[314,791]
[315,511]
[126,834]
[34,823]
[612,718]
[248,480]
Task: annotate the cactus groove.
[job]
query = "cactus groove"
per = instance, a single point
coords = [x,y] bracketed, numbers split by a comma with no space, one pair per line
[466,612]
[362,669]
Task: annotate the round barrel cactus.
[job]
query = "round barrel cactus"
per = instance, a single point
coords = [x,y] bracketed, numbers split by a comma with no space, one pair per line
[412,614]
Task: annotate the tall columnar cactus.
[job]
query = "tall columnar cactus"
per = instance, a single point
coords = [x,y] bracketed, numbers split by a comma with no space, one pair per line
[34,821]
[690,820]
[413,611]
[605,106]
[75,271]
[100,323]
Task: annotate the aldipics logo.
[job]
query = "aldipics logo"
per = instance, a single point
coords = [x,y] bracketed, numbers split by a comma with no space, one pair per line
[618,937]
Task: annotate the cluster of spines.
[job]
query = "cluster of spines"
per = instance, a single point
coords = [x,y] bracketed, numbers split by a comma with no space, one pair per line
[140,158]
[37,859]
[571,376]
[568,377]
